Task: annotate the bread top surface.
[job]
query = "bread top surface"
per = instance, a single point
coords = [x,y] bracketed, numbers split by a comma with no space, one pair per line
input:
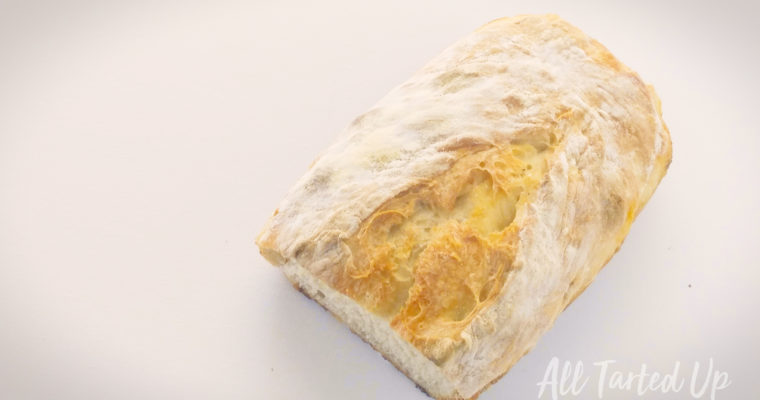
[509,167]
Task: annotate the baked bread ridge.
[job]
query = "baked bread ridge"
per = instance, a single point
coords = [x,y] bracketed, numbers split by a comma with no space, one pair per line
[528,82]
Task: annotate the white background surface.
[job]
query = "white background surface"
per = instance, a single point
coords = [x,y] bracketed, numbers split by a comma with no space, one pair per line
[142,146]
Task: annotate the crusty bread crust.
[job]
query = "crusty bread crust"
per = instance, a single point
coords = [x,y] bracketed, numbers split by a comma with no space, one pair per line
[479,198]
[398,366]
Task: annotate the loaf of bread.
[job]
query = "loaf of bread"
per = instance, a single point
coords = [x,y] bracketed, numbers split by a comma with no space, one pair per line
[451,223]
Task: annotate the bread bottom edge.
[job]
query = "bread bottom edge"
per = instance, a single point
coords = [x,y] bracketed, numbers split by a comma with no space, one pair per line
[376,332]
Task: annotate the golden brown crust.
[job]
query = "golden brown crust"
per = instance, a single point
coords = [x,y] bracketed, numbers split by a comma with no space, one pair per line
[431,258]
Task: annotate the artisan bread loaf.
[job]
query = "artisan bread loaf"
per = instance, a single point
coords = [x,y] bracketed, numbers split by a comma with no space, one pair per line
[452,222]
